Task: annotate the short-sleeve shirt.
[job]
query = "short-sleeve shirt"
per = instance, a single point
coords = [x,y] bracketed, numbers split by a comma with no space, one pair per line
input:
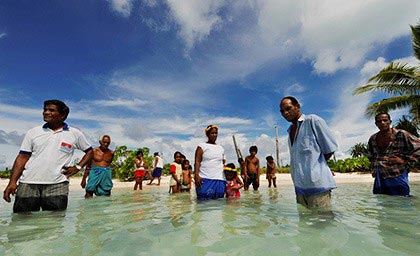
[308,167]
[49,152]
[212,161]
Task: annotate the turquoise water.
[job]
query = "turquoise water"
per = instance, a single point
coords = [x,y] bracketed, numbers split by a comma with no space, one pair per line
[267,222]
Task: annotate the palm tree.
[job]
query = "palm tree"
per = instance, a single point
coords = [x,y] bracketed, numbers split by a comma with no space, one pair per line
[400,80]
[358,150]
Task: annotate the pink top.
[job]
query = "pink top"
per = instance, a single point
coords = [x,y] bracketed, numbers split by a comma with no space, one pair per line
[229,191]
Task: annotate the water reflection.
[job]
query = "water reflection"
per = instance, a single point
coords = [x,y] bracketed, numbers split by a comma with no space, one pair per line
[397,222]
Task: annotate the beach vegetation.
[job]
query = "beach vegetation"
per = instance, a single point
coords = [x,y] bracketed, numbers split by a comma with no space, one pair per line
[358,164]
[401,81]
[405,123]
[359,150]
[122,165]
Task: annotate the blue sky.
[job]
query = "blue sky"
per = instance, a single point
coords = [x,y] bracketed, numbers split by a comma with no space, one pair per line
[156,73]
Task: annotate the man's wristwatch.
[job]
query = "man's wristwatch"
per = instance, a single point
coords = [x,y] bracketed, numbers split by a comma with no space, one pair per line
[78,167]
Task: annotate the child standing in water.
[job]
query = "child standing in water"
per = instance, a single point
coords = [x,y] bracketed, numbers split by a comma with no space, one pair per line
[139,170]
[186,176]
[271,171]
[176,172]
[233,181]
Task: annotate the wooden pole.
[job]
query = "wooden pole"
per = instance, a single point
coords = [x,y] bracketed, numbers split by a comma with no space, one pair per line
[238,151]
[277,147]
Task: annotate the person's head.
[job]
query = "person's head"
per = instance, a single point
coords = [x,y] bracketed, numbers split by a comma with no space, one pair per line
[178,157]
[269,159]
[156,154]
[290,109]
[211,132]
[241,161]
[185,164]
[104,142]
[139,154]
[383,121]
[253,150]
[55,111]
[230,171]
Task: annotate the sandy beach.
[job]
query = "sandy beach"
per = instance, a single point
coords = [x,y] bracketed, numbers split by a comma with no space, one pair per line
[282,179]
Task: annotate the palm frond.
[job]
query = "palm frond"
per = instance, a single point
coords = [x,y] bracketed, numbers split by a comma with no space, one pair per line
[396,78]
[416,40]
[386,105]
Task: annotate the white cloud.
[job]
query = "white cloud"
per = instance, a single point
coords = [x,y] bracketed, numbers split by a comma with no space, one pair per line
[123,7]
[195,18]
[295,88]
[371,68]
[2,35]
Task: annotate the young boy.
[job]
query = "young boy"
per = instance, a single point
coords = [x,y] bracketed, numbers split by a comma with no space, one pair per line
[186,176]
[271,171]
[252,165]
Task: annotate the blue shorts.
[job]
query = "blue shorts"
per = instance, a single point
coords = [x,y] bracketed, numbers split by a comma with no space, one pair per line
[211,189]
[397,186]
[157,172]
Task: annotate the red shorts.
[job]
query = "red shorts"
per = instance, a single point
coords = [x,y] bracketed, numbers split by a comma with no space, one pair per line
[139,173]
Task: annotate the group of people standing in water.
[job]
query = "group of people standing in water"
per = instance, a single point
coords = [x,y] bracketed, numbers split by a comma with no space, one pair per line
[41,171]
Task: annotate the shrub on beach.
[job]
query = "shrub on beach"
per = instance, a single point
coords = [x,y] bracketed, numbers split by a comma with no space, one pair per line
[358,164]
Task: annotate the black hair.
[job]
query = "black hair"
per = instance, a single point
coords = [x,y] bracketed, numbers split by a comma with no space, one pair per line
[383,113]
[269,158]
[61,107]
[231,165]
[253,148]
[156,153]
[139,152]
[177,152]
[294,101]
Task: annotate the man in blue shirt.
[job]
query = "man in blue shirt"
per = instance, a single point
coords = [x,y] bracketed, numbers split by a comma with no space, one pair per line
[311,144]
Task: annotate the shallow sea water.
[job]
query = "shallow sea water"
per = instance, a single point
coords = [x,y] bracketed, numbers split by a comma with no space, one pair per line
[267,222]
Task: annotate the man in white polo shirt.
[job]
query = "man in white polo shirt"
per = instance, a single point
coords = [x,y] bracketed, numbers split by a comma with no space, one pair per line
[44,162]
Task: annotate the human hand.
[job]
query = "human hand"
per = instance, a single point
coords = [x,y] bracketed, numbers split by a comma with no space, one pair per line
[198,181]
[83,183]
[395,160]
[10,189]
[69,171]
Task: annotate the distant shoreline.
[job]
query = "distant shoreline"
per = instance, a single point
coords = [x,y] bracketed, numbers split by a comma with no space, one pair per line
[282,179]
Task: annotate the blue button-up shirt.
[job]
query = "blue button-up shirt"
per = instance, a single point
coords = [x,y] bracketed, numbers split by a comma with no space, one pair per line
[308,167]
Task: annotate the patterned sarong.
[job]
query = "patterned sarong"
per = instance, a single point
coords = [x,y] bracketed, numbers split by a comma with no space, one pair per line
[100,181]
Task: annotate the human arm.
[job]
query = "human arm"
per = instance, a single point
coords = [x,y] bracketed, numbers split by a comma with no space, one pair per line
[69,171]
[85,175]
[240,183]
[258,171]
[18,167]
[328,156]
[197,164]
[172,171]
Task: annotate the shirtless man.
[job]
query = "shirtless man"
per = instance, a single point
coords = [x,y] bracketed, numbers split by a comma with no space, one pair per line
[100,175]
[252,172]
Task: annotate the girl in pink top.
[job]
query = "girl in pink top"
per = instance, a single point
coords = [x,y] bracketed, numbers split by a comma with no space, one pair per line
[233,182]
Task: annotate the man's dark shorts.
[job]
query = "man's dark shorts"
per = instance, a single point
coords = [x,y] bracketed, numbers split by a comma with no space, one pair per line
[252,179]
[48,197]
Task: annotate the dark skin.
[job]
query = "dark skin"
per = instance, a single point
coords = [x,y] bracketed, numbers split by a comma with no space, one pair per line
[292,113]
[211,138]
[102,156]
[383,122]
[55,121]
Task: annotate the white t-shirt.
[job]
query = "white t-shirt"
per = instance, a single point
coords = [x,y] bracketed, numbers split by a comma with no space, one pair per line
[159,163]
[212,161]
[50,151]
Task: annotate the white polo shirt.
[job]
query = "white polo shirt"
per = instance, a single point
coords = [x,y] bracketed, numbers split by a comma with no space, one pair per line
[50,151]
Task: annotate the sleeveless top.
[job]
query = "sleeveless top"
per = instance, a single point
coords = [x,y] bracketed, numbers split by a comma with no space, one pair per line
[212,161]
